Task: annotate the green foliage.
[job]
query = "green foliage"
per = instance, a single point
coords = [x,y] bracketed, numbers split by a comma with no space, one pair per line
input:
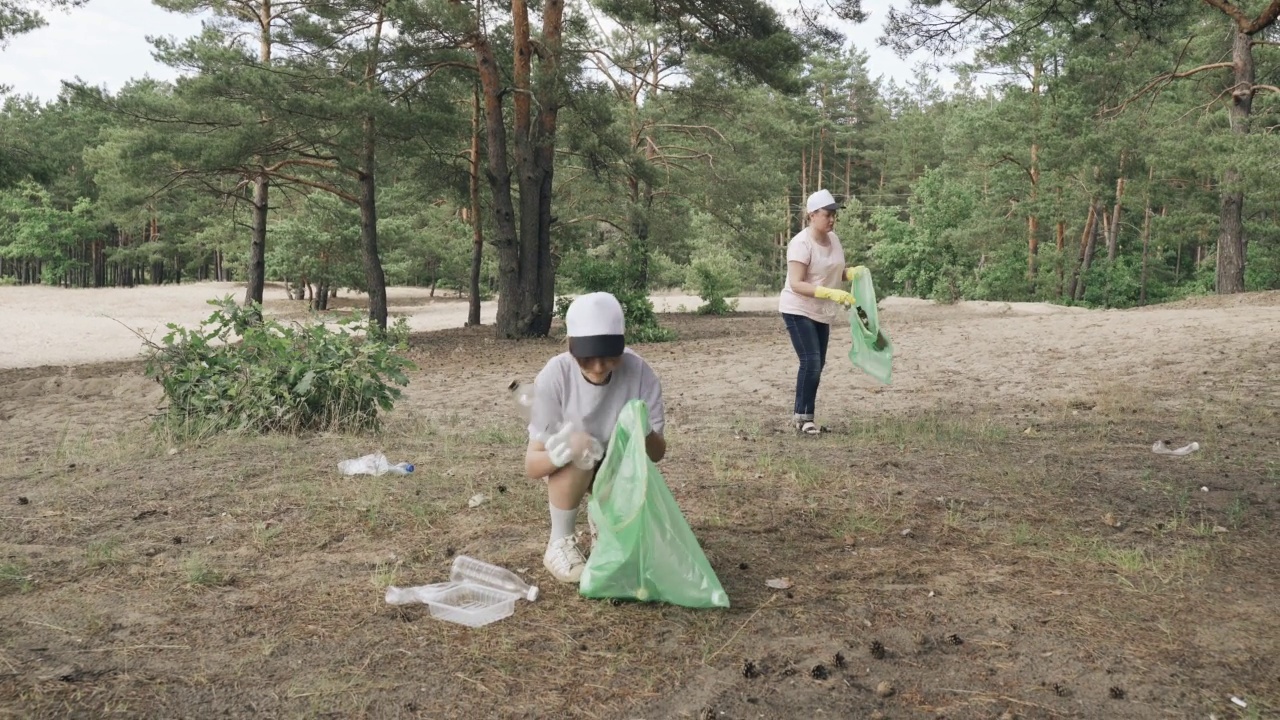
[320,243]
[275,378]
[927,257]
[596,275]
[714,276]
[34,229]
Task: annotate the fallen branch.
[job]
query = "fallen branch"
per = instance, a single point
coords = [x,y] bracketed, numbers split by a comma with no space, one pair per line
[124,648]
[740,628]
[477,683]
[1005,698]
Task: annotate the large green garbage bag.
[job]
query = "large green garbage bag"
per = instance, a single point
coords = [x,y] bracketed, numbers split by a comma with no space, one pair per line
[872,352]
[644,548]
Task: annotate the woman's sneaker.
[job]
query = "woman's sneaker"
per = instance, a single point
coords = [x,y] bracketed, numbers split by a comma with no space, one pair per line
[563,560]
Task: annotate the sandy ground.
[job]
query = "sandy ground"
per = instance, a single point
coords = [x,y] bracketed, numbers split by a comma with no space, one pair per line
[965,516]
[56,326]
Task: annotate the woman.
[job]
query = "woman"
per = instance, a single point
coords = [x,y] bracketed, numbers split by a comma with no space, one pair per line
[577,399]
[809,300]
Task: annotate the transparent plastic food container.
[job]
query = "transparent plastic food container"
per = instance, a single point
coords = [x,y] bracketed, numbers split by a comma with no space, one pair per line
[477,593]
[471,605]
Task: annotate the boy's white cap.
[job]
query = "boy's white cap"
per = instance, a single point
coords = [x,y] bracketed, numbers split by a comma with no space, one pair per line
[595,326]
[819,201]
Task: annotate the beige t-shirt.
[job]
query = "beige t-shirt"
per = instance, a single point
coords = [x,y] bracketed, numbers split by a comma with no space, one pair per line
[825,268]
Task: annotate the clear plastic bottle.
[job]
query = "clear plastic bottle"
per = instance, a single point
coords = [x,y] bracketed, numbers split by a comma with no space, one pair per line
[478,572]
[417,594]
[375,464]
[522,393]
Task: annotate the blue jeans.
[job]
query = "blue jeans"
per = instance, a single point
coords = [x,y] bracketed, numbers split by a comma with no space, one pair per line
[809,338]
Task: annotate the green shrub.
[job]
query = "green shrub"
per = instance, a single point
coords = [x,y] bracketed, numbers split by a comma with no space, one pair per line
[713,277]
[276,378]
[597,275]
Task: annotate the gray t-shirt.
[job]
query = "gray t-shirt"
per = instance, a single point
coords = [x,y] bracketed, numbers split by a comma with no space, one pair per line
[562,393]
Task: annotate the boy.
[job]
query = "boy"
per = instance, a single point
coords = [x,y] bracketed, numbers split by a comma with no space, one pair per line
[578,396]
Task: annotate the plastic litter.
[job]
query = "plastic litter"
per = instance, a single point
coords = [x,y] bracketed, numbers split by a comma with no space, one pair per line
[872,351]
[477,593]
[585,450]
[523,394]
[375,464]
[1239,702]
[411,595]
[644,549]
[1162,448]
[779,583]
[477,500]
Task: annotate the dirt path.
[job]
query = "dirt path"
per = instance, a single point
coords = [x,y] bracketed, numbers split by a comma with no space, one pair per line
[57,326]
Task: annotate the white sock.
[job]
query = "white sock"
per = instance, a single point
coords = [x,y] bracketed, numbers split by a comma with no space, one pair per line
[562,522]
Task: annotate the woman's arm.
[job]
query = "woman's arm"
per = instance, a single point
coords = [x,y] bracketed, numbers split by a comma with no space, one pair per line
[795,278]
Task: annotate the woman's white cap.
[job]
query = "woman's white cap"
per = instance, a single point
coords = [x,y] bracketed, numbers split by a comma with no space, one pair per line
[821,200]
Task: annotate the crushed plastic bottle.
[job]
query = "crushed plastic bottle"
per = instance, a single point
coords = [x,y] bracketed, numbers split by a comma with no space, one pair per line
[477,572]
[523,394]
[418,594]
[375,464]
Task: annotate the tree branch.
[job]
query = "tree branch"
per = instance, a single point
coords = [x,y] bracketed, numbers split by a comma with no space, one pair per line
[318,185]
[596,218]
[1232,11]
[1166,77]
[324,165]
[1264,19]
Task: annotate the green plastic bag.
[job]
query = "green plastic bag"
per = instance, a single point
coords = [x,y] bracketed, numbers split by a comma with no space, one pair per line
[644,548]
[872,351]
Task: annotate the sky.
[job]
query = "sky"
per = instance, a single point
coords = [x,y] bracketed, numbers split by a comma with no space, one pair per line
[104,44]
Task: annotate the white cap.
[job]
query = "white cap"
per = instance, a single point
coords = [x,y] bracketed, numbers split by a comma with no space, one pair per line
[595,326]
[820,200]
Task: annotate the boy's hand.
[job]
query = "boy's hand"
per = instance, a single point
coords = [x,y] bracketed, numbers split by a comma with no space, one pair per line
[571,445]
[559,449]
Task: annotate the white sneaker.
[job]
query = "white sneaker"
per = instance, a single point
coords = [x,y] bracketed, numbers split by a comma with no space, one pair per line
[563,560]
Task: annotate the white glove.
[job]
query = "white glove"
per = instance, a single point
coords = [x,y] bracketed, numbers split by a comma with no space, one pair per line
[569,444]
[558,448]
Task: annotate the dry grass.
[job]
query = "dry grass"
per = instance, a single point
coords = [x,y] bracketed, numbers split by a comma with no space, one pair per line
[244,576]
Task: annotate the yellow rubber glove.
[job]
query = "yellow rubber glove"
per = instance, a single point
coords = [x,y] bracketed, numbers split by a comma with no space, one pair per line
[851,273]
[839,296]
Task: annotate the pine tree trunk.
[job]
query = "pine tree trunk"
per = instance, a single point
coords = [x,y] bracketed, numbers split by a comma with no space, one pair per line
[527,276]
[1091,247]
[374,277]
[1231,240]
[499,174]
[257,244]
[1113,230]
[477,248]
[1061,237]
[1076,288]
[1146,238]
[256,281]
[1033,220]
